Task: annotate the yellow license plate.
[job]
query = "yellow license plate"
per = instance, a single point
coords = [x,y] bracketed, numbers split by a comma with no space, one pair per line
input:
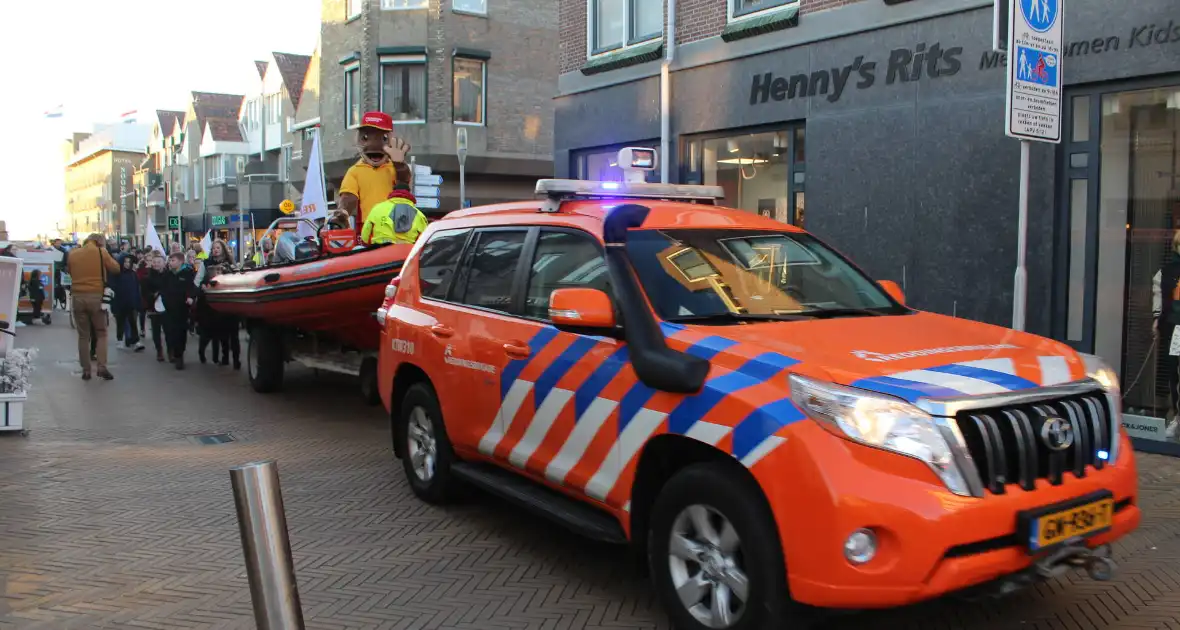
[1074,522]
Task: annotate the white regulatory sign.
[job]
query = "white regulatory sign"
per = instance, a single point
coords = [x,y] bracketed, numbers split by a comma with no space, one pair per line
[1034,69]
[428,180]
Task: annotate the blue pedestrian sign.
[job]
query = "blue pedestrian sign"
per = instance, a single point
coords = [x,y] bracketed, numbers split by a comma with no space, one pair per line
[1041,15]
[1035,75]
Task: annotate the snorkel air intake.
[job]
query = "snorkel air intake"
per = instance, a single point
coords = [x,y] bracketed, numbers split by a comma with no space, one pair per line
[656,365]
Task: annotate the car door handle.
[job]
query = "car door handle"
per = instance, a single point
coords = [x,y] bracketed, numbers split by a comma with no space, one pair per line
[438,330]
[517,350]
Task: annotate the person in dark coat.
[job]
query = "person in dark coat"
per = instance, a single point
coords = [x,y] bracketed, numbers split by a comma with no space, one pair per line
[150,286]
[36,292]
[178,293]
[126,303]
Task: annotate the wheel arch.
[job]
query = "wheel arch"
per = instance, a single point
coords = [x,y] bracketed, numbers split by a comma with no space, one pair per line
[406,376]
[661,458]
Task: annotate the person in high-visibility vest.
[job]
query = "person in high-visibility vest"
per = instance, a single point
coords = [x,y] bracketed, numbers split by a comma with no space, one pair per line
[395,220]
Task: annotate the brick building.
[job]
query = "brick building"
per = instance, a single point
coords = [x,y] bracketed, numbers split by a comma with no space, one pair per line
[435,65]
[879,125]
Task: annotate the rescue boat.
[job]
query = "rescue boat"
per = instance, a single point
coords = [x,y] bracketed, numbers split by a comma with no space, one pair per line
[333,289]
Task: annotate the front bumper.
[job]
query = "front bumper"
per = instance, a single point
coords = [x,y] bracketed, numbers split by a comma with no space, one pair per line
[931,542]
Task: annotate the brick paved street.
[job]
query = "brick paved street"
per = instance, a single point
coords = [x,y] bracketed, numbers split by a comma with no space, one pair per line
[111,516]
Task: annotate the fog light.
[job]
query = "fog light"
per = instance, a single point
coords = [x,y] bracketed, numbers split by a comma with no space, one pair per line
[861,546]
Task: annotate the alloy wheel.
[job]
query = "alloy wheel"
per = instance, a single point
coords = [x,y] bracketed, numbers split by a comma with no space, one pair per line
[423,448]
[707,566]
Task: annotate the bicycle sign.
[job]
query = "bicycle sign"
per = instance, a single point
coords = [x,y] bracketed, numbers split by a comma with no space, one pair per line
[1035,36]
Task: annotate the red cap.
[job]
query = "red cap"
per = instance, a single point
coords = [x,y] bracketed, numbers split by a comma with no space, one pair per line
[377,120]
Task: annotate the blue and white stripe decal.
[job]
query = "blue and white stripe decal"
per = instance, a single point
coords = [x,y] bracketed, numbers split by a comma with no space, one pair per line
[967,378]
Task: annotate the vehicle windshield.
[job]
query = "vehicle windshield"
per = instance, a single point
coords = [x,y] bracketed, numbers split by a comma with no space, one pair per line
[750,275]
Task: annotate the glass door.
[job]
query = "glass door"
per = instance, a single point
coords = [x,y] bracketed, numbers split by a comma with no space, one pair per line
[762,171]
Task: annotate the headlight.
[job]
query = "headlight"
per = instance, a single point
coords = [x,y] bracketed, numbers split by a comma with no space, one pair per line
[1098,370]
[881,421]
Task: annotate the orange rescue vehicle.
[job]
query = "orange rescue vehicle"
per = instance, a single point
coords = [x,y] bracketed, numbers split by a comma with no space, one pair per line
[765,423]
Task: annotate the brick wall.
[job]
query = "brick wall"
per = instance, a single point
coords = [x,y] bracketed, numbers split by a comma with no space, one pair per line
[695,20]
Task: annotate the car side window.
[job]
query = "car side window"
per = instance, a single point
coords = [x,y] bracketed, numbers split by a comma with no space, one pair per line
[436,263]
[563,260]
[492,267]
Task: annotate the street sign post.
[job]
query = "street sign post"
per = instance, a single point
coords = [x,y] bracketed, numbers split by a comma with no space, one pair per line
[426,191]
[426,186]
[430,203]
[428,180]
[1033,106]
[461,150]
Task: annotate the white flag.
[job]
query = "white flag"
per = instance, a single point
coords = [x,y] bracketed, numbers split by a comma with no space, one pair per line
[315,203]
[152,238]
[207,242]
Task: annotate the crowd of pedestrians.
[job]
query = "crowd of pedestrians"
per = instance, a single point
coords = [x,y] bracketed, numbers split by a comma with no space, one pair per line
[142,291]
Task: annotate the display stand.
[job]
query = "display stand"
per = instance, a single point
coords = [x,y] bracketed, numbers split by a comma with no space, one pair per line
[12,404]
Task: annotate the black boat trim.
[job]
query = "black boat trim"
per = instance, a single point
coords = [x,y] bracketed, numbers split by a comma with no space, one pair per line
[314,286]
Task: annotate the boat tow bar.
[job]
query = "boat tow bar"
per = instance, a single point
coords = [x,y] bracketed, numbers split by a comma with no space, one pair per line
[1097,563]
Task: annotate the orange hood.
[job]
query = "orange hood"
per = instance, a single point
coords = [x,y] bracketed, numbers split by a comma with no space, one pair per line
[910,356]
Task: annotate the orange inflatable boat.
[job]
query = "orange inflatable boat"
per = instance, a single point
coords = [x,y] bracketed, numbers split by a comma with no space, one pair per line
[333,289]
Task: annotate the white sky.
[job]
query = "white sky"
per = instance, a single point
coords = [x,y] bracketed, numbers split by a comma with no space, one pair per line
[100,58]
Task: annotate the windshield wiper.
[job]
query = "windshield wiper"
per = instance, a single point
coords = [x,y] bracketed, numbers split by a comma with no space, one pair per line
[825,313]
[735,318]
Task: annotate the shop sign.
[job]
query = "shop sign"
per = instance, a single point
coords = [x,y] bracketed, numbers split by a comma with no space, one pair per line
[924,60]
[173,223]
[217,220]
[1144,427]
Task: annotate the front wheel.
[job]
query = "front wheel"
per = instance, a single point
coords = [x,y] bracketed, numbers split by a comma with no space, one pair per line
[714,554]
[427,454]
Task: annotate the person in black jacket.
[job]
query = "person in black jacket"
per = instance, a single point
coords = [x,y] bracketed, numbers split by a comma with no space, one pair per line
[177,293]
[126,303]
[150,287]
[36,292]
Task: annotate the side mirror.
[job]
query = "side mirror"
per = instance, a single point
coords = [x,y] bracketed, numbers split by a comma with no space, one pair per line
[893,290]
[581,309]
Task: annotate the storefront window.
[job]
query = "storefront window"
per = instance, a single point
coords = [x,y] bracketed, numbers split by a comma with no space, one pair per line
[600,165]
[1139,219]
[760,172]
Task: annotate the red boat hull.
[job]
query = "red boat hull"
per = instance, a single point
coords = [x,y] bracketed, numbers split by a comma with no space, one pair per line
[336,296]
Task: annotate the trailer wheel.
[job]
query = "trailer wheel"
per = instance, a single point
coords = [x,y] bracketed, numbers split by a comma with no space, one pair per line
[369,391]
[264,359]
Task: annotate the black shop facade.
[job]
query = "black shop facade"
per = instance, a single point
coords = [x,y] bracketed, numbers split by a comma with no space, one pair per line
[880,128]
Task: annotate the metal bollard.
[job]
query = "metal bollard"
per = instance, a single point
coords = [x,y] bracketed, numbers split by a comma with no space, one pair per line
[269,566]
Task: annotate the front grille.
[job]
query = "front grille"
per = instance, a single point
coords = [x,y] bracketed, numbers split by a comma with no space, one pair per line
[1007,445]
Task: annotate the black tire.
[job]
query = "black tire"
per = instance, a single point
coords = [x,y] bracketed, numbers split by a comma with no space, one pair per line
[369,391]
[437,487]
[722,490]
[264,359]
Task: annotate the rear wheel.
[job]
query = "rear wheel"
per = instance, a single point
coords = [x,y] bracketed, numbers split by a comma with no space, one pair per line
[427,449]
[714,555]
[264,359]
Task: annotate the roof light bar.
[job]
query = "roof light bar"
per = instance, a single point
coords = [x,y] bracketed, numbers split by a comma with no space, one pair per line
[581,188]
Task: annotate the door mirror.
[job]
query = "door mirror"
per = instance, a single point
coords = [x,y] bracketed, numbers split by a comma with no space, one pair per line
[581,308]
[893,290]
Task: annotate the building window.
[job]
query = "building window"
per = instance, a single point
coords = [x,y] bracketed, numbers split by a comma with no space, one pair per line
[617,23]
[470,77]
[396,5]
[354,8]
[761,172]
[285,164]
[352,96]
[470,6]
[403,87]
[742,8]
[599,165]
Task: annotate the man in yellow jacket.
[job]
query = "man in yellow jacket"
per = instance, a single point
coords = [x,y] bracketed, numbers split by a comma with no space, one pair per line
[395,220]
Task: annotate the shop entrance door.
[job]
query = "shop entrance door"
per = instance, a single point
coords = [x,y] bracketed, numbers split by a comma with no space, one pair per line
[1120,209]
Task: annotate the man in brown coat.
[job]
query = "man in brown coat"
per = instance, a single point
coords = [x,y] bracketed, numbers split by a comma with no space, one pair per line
[89,266]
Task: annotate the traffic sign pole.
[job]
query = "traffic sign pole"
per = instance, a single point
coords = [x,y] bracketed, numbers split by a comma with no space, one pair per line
[1033,107]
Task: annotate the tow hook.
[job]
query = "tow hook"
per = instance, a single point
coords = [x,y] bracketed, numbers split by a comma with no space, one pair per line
[1097,562]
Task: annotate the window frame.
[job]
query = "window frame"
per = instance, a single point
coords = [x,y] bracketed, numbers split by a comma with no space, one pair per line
[629,37]
[530,254]
[483,92]
[519,275]
[446,298]
[483,13]
[354,67]
[735,13]
[578,157]
[404,60]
